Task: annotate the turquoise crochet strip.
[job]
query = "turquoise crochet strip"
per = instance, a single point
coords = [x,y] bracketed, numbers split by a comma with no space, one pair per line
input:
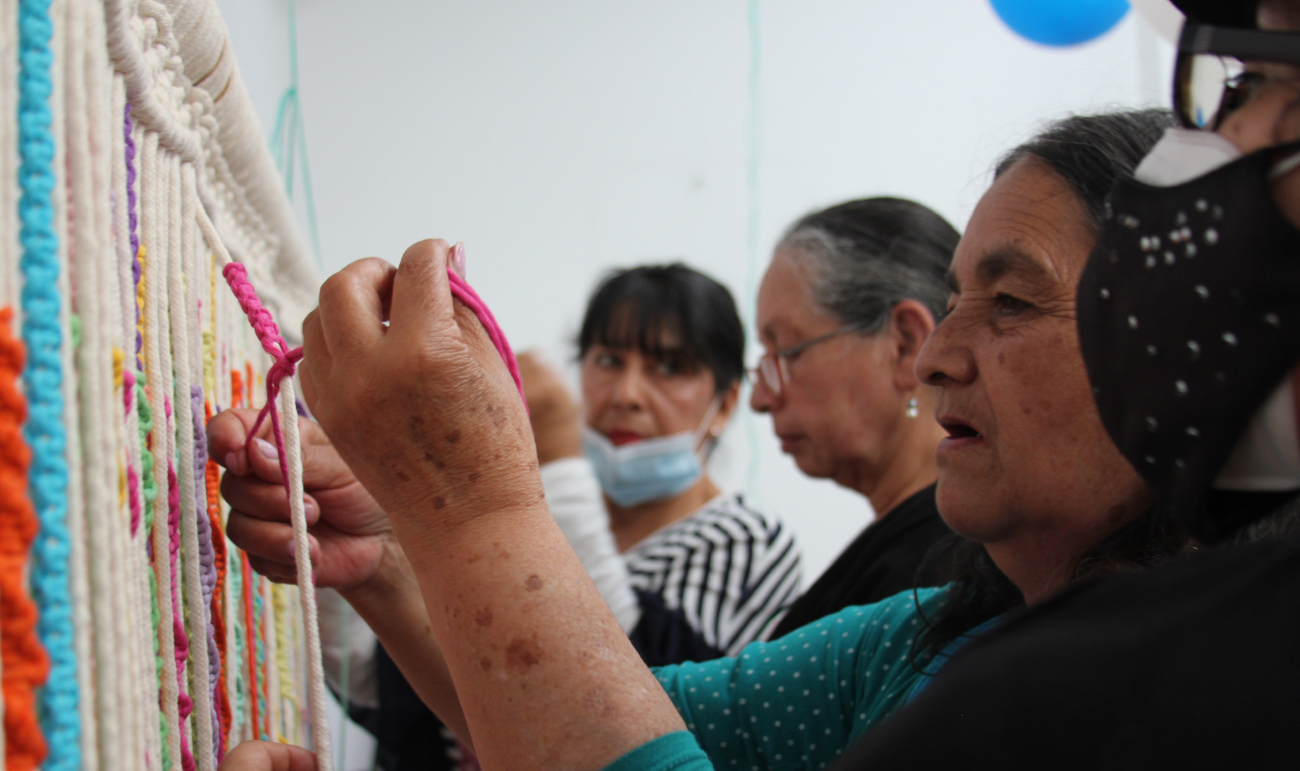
[43,382]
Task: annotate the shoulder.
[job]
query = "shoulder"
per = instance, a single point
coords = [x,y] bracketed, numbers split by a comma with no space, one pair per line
[904,608]
[901,616]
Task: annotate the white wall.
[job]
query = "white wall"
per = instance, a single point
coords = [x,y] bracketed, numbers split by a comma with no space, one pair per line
[559,139]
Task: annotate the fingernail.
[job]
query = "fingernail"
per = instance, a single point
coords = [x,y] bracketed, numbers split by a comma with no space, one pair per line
[458,258]
[232,462]
[267,449]
[293,549]
[310,510]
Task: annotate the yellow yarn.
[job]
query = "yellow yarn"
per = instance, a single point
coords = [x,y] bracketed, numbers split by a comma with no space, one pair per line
[288,693]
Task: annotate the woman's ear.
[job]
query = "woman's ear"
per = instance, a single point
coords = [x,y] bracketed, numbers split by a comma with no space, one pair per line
[910,325]
[729,401]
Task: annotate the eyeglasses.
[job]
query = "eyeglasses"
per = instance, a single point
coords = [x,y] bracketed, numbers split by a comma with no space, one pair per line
[773,368]
[1210,78]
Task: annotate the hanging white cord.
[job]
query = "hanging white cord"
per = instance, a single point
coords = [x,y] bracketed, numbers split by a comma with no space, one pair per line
[288,408]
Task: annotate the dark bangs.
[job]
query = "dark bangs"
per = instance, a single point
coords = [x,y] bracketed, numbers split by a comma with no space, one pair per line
[671,313]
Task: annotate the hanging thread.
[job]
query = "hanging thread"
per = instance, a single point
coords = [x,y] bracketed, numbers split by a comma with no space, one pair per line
[43,382]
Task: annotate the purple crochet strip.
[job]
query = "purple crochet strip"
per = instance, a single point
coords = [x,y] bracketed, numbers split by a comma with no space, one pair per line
[127,130]
[180,642]
[207,556]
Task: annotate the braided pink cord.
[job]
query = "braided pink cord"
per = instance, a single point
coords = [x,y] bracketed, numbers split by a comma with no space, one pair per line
[268,334]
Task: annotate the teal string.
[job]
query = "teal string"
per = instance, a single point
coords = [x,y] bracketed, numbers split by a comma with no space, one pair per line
[754,155]
[289,138]
[43,384]
[260,731]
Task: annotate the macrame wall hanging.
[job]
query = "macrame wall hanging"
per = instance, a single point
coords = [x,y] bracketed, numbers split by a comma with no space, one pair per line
[136,192]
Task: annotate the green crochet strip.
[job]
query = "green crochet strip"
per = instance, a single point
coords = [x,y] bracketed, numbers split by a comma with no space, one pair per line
[149,488]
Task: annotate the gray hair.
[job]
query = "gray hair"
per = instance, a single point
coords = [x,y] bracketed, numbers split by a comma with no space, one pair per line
[864,257]
[1093,152]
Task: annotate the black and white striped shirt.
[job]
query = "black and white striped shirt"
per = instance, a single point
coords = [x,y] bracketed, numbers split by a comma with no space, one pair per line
[730,570]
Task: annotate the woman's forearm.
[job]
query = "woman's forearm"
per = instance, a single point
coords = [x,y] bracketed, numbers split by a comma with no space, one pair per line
[391,605]
[547,677]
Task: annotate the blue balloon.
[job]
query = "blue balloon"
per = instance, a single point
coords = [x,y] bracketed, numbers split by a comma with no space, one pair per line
[1061,22]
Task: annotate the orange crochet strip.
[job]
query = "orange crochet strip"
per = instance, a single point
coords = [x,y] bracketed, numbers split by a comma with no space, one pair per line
[213,479]
[25,662]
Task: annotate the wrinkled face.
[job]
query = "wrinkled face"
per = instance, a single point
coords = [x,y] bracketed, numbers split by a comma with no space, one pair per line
[838,406]
[629,395]
[1027,463]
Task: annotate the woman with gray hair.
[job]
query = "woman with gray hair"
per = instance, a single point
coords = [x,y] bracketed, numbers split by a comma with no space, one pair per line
[852,294]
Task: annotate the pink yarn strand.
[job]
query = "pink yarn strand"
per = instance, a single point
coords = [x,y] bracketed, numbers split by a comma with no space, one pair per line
[461,290]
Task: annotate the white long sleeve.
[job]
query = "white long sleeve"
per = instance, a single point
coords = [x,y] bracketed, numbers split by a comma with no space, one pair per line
[576,503]
[344,633]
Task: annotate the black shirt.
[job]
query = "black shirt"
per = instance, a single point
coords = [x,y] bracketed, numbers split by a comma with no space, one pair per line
[882,561]
[1195,664]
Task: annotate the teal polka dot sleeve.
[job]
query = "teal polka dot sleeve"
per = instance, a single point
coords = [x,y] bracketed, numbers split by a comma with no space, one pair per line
[798,702]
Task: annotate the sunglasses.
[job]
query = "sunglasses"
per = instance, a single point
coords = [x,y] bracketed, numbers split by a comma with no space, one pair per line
[1210,78]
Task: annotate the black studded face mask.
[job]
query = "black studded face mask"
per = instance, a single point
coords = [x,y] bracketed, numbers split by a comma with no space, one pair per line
[1189,317]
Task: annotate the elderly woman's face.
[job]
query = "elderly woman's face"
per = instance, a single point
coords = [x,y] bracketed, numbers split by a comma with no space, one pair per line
[629,395]
[839,412]
[1027,468]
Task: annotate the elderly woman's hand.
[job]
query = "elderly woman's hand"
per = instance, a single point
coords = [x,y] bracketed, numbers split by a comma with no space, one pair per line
[552,411]
[350,533]
[415,396]
[268,756]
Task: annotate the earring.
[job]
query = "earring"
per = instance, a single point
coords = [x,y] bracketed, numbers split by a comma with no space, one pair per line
[912,410]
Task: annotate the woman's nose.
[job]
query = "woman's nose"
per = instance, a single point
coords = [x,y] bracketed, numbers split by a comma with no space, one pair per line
[943,360]
[761,398]
[629,388]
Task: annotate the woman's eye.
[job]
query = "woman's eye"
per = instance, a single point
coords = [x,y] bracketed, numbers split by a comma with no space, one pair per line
[607,361]
[1008,304]
[1241,89]
[667,368]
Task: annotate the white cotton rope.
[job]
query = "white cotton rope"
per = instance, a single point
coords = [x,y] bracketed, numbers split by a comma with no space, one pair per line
[288,408]
[144,694]
[126,569]
[182,310]
[98,684]
[67,107]
[155,278]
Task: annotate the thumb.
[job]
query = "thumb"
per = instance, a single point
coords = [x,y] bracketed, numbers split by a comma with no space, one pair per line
[227,433]
[421,299]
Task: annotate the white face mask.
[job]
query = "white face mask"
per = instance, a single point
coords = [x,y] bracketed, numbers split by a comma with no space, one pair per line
[651,469]
[1267,457]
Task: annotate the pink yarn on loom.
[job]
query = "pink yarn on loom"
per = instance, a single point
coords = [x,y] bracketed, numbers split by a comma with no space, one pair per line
[286,359]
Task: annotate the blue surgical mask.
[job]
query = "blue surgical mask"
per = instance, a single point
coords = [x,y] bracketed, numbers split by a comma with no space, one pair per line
[648,470]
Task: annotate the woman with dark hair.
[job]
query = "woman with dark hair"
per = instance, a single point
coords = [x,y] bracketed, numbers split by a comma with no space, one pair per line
[1026,472]
[661,351]
[851,295]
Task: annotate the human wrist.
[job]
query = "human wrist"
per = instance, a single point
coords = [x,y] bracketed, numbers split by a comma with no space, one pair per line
[390,581]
